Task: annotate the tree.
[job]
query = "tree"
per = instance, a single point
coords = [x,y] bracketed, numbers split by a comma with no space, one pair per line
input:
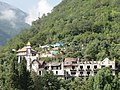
[90,83]
[25,80]
[12,81]
[115,84]
[75,84]
[91,50]
[38,81]
[2,79]
[102,79]
[118,81]
[50,81]
[107,87]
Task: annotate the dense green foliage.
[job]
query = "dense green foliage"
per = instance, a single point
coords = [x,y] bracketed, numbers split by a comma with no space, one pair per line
[91,27]
[88,28]
[16,77]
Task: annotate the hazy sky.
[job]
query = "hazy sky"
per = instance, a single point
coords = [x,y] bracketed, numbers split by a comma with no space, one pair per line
[35,8]
[26,5]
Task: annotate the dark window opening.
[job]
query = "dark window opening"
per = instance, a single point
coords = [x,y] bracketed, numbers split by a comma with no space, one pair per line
[56,72]
[74,62]
[39,72]
[73,67]
[88,73]
[88,67]
[81,72]
[103,66]
[67,73]
[110,66]
[67,62]
[95,66]
[46,68]
[33,54]
[81,67]
[95,72]
[73,73]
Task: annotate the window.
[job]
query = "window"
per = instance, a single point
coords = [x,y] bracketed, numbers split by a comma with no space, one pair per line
[46,68]
[73,73]
[110,66]
[67,62]
[81,67]
[67,73]
[88,67]
[74,62]
[88,73]
[95,72]
[33,54]
[56,72]
[103,66]
[81,72]
[73,67]
[95,67]
[39,72]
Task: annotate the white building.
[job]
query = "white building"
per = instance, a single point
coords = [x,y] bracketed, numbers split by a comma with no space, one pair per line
[77,67]
[69,67]
[28,53]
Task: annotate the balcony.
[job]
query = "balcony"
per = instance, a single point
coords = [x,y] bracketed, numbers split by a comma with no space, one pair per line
[95,69]
[81,75]
[81,69]
[73,73]
[73,70]
[88,69]
[95,72]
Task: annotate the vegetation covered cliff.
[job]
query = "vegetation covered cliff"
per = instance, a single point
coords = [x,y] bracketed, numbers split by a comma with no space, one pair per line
[89,26]
[88,29]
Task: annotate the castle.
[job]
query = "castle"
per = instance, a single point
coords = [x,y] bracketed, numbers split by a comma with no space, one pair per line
[68,67]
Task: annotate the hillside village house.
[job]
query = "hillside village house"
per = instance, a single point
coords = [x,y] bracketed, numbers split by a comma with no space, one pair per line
[51,50]
[29,54]
[69,67]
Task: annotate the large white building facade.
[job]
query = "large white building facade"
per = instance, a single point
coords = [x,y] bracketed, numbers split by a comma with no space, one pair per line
[77,67]
[68,67]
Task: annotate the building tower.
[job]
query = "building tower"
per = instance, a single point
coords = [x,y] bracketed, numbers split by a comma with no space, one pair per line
[28,55]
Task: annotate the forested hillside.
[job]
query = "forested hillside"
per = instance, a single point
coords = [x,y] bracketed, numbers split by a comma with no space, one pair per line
[91,24]
[88,29]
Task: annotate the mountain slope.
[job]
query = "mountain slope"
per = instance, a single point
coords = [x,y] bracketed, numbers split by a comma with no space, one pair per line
[91,27]
[12,21]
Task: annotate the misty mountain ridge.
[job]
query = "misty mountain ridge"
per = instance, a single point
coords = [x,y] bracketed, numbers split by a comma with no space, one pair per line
[12,21]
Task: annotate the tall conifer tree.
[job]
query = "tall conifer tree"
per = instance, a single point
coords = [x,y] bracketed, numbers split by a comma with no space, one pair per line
[25,80]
